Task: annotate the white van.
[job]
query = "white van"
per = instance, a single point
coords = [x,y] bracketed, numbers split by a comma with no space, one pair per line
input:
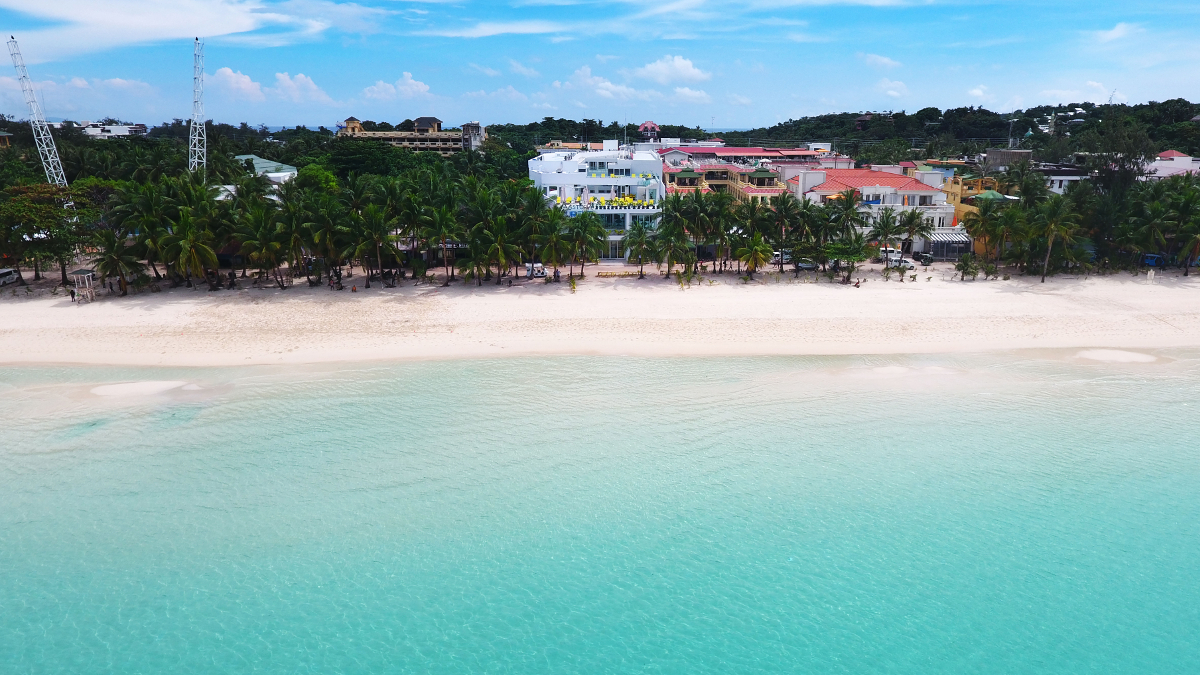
[8,276]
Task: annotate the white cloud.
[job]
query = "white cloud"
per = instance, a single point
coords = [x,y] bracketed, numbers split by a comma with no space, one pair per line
[686,95]
[237,84]
[489,29]
[605,58]
[583,79]
[893,88]
[83,26]
[508,93]
[738,99]
[490,72]
[670,69]
[405,87]
[298,89]
[522,69]
[980,91]
[1117,32]
[878,61]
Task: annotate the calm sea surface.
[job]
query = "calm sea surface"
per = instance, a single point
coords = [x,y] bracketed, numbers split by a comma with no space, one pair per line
[1019,513]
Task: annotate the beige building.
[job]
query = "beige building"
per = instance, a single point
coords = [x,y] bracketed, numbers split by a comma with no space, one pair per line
[427,136]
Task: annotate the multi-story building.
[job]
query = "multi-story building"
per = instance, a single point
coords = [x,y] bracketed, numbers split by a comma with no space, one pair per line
[881,189]
[98,130]
[427,136]
[745,183]
[1171,163]
[620,186]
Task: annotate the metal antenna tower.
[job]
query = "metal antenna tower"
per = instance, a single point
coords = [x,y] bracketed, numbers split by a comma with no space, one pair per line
[197,139]
[41,130]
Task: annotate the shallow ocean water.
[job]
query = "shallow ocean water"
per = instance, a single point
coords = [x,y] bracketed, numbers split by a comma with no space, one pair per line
[1011,513]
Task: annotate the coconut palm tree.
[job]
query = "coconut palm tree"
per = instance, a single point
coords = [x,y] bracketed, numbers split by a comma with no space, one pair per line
[786,218]
[886,229]
[754,254]
[639,244]
[587,236]
[845,214]
[914,224]
[444,227]
[188,249]
[115,258]
[375,232]
[1152,225]
[500,247]
[1056,220]
[262,241]
[981,223]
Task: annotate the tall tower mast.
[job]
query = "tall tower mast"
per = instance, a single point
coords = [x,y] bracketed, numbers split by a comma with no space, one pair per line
[197,140]
[41,130]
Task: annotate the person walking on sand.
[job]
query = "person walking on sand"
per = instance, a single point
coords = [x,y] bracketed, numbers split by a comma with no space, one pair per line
[72,295]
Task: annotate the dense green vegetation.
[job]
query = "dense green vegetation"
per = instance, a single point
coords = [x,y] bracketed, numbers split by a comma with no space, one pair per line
[140,217]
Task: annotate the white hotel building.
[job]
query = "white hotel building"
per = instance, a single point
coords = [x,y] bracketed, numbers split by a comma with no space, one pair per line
[622,186]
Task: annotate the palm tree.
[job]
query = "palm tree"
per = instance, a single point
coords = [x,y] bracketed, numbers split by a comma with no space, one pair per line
[375,231]
[914,224]
[188,248]
[115,258]
[639,244]
[587,236]
[500,247]
[981,223]
[1056,220]
[755,253]
[845,213]
[785,212]
[850,249]
[444,227]
[1152,224]
[886,230]
[262,242]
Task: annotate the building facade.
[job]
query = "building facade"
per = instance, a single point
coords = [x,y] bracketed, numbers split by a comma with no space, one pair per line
[620,186]
[427,136]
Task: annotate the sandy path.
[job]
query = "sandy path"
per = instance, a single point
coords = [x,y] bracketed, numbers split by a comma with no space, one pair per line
[605,316]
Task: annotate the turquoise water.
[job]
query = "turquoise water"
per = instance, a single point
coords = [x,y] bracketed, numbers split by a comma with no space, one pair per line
[1019,513]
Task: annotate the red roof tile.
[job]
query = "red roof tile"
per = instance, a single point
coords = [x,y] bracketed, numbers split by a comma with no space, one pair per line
[837,180]
[1171,154]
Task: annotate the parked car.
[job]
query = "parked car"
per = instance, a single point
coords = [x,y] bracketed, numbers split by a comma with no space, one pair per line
[787,257]
[904,264]
[1154,260]
[8,276]
[535,271]
[926,259]
[806,265]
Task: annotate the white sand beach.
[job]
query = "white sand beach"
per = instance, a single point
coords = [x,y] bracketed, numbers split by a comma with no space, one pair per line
[719,315]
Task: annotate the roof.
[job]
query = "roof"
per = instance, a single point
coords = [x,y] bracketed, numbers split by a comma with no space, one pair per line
[908,165]
[262,166]
[426,121]
[838,180]
[759,173]
[1171,154]
[955,235]
[648,126]
[352,119]
[991,195]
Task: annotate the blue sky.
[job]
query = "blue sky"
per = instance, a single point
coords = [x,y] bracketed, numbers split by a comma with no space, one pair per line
[713,63]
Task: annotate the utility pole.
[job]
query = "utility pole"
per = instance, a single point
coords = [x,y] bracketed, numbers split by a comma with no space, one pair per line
[41,131]
[197,139]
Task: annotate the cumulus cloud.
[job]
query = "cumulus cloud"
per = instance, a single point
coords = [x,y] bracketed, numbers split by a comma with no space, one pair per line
[236,84]
[298,89]
[980,91]
[877,61]
[738,99]
[508,93]
[405,87]
[670,69]
[893,88]
[686,95]
[584,79]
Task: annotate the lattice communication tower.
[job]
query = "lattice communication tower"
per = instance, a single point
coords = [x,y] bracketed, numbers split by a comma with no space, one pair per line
[197,139]
[41,130]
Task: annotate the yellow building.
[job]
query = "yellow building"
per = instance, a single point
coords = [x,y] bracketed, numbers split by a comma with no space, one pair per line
[958,189]
[427,136]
